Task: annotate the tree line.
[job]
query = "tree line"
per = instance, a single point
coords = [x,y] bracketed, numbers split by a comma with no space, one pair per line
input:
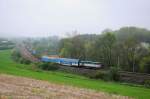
[126,49]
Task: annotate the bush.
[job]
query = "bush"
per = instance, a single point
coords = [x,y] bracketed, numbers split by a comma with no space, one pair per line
[97,75]
[101,75]
[147,83]
[145,65]
[27,62]
[24,61]
[16,55]
[113,74]
[48,66]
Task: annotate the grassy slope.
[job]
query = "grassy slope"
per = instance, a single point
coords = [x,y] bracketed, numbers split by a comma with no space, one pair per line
[10,67]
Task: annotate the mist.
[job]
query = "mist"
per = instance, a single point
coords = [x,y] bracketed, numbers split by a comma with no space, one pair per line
[42,18]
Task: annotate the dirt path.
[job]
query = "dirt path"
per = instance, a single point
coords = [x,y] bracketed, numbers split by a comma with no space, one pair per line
[12,87]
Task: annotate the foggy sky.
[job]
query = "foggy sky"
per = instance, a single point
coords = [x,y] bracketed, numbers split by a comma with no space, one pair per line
[56,17]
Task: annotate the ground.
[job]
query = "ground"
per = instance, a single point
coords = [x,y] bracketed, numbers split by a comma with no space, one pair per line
[12,87]
[8,66]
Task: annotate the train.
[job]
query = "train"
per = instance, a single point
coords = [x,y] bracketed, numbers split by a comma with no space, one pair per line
[71,62]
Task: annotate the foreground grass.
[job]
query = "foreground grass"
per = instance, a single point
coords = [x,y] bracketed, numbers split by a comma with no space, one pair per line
[7,66]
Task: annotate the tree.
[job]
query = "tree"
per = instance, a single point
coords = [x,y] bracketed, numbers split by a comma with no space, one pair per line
[140,34]
[72,47]
[131,49]
[89,50]
[66,48]
[145,64]
[105,46]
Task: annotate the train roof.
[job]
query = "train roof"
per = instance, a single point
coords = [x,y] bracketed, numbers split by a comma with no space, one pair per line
[61,59]
[68,59]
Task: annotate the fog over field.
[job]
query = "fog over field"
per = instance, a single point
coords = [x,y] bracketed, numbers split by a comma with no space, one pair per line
[57,17]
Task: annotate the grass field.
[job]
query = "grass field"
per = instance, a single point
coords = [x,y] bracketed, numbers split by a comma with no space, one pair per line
[7,66]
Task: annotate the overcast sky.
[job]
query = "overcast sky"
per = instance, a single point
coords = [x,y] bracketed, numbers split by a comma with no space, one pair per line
[56,17]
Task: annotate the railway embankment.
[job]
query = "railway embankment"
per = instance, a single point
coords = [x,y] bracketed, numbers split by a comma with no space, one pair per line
[129,77]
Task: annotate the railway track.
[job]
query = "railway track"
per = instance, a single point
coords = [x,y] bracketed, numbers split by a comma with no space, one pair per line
[133,77]
[26,54]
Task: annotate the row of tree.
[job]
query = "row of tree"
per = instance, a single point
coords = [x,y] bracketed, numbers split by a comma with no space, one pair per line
[126,49]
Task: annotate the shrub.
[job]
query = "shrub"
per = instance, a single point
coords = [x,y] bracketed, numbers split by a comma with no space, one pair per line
[16,55]
[26,61]
[48,66]
[101,75]
[147,83]
[145,65]
[113,74]
[97,75]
